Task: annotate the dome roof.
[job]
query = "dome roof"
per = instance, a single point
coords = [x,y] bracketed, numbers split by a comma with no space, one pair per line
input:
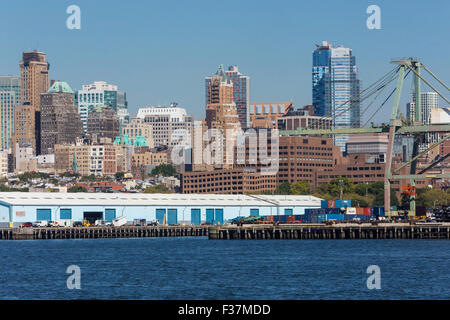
[60,86]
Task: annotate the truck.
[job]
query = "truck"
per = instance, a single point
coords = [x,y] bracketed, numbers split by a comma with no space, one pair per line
[65,223]
[41,224]
[119,221]
[102,223]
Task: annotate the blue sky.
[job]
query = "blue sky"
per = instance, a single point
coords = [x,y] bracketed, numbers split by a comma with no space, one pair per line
[160,51]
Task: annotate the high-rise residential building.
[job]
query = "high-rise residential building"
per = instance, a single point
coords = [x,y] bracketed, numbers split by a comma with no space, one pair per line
[103,122]
[241,94]
[222,118]
[169,124]
[101,93]
[320,67]
[338,85]
[9,98]
[34,80]
[11,83]
[428,102]
[60,120]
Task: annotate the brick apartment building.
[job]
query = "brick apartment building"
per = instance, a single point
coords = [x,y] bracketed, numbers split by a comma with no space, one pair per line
[227,181]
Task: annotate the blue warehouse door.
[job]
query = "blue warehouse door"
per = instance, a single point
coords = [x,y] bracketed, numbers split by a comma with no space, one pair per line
[288,211]
[218,219]
[43,214]
[65,214]
[110,214]
[161,216]
[210,216]
[196,217]
[254,212]
[172,216]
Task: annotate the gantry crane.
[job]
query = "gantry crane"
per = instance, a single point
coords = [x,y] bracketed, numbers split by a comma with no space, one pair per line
[396,125]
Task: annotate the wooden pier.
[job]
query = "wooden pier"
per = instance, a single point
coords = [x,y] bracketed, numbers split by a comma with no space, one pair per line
[338,231]
[102,232]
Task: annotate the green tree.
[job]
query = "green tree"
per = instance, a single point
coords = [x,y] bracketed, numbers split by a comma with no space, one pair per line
[283,188]
[119,175]
[358,200]
[90,177]
[4,188]
[339,183]
[77,189]
[300,188]
[432,198]
[166,170]
[69,174]
[157,189]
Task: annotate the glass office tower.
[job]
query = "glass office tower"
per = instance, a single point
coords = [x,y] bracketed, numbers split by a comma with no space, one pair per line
[9,98]
[336,88]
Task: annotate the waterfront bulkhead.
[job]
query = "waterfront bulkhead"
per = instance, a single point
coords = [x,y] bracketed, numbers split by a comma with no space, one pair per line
[20,207]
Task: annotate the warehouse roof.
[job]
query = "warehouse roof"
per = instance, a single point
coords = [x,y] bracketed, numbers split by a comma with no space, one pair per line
[145,199]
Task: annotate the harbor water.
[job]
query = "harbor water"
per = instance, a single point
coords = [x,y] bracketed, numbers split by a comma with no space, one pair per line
[196,268]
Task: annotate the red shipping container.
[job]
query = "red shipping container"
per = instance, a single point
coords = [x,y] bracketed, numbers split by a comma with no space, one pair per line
[359,210]
[366,211]
[330,203]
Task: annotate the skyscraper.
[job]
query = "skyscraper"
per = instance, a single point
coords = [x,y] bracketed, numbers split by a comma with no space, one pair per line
[320,66]
[101,93]
[103,122]
[221,115]
[60,121]
[335,84]
[428,102]
[9,98]
[33,81]
[241,94]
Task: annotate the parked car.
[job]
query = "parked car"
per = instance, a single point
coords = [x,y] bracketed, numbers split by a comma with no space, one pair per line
[26,225]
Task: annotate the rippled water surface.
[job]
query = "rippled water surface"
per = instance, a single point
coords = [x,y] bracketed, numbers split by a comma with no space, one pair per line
[196,268]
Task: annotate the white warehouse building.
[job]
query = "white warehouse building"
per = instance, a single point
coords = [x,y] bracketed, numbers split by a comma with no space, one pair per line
[21,207]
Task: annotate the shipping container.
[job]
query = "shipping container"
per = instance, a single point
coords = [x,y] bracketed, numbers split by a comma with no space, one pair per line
[324,204]
[343,203]
[351,210]
[378,212]
[367,211]
[331,204]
